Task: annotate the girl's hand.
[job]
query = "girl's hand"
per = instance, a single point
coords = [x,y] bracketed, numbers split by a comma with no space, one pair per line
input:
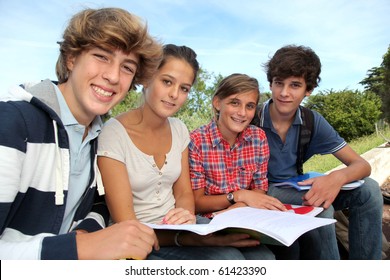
[259,199]
[178,216]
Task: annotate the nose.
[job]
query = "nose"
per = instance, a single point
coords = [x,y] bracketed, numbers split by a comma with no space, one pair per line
[174,92]
[284,91]
[112,73]
[241,111]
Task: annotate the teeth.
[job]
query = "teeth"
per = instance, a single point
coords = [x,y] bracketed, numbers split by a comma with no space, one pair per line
[237,120]
[169,103]
[102,92]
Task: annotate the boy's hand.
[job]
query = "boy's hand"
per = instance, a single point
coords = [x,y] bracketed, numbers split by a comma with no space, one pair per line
[125,240]
[323,192]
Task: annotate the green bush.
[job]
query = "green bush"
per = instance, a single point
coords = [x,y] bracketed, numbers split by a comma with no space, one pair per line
[352,113]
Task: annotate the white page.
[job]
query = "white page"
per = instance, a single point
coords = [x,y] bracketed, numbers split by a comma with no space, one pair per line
[285,227]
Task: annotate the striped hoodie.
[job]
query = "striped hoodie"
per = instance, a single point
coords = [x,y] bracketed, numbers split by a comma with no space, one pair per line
[34,172]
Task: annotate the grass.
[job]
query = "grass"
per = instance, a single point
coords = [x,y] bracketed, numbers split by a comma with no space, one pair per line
[327,162]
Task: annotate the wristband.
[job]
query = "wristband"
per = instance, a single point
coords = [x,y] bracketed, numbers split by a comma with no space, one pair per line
[176,239]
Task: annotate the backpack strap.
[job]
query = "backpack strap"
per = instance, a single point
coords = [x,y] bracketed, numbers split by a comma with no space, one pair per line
[258,120]
[305,136]
[305,132]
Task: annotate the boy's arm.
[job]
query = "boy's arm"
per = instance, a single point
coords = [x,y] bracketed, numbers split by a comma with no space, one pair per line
[325,188]
[356,167]
[97,218]
[19,239]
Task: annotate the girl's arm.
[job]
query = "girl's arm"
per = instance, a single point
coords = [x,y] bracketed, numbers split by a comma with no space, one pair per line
[203,203]
[117,187]
[182,191]
[213,203]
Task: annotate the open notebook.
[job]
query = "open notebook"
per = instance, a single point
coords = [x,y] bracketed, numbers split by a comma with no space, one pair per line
[293,182]
[269,226]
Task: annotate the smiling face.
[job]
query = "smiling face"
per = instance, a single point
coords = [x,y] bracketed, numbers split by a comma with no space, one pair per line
[235,112]
[98,80]
[169,88]
[288,94]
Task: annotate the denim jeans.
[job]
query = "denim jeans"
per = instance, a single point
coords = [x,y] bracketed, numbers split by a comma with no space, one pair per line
[212,253]
[261,252]
[319,243]
[365,206]
[365,210]
[196,253]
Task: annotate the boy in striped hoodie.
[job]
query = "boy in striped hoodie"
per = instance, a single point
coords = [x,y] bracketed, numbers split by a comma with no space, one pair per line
[51,203]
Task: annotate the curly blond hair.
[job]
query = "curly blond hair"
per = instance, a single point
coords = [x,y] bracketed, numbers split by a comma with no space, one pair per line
[113,29]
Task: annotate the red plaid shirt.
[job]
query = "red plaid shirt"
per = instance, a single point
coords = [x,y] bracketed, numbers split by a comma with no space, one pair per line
[220,169]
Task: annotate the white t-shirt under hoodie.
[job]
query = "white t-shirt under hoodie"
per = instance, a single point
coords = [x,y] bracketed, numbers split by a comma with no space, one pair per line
[151,186]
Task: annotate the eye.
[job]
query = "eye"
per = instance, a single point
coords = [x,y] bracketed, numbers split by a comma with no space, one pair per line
[131,69]
[277,83]
[235,103]
[295,85]
[100,56]
[185,89]
[251,106]
[167,82]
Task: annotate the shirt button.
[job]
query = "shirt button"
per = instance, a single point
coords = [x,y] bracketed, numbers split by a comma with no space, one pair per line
[154,165]
[159,173]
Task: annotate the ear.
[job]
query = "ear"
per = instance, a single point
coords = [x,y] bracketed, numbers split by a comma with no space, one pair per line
[70,62]
[308,93]
[216,103]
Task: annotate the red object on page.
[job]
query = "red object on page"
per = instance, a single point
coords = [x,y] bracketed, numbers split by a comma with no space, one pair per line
[298,209]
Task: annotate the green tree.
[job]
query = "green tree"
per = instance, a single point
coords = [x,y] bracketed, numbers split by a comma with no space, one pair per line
[264,96]
[378,81]
[131,101]
[352,113]
[197,110]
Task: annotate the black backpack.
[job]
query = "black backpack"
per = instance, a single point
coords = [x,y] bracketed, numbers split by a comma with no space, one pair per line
[305,132]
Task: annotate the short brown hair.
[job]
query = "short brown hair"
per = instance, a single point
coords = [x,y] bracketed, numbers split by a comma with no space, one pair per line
[113,29]
[236,83]
[295,61]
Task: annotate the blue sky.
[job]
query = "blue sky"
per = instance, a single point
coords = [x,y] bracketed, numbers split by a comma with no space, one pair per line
[229,36]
